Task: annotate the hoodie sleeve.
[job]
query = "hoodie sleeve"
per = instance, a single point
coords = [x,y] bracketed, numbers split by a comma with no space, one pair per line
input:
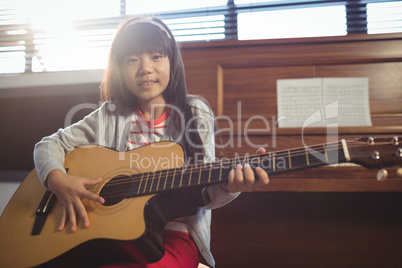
[50,152]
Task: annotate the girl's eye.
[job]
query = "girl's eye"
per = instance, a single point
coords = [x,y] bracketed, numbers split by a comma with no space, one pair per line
[157,56]
[132,60]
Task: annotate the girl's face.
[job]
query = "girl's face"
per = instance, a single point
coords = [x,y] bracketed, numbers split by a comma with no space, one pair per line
[146,76]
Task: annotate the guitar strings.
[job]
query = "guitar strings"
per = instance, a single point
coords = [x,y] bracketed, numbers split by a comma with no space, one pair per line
[213,166]
[175,183]
[123,193]
[229,164]
[218,165]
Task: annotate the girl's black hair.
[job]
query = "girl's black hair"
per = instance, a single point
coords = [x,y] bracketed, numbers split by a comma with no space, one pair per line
[141,37]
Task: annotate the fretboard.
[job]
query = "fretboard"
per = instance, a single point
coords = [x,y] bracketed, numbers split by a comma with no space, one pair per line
[202,175]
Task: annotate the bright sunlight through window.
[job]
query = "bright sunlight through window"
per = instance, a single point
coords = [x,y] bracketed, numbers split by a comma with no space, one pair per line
[376,12]
[302,22]
[62,35]
[58,43]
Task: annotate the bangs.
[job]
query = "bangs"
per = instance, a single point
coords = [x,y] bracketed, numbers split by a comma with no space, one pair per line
[142,38]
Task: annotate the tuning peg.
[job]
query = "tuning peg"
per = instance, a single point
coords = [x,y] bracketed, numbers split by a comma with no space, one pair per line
[399,152]
[395,140]
[382,174]
[399,172]
[376,155]
[370,141]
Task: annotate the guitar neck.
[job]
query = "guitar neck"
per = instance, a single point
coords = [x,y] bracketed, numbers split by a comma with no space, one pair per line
[205,174]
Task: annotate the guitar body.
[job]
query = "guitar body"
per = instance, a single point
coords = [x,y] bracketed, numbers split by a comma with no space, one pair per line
[143,191]
[118,232]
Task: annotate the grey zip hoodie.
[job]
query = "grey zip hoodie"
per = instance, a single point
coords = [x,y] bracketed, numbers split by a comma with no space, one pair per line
[109,126]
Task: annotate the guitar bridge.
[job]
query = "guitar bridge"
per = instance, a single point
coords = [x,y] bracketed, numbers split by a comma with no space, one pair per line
[43,211]
[45,204]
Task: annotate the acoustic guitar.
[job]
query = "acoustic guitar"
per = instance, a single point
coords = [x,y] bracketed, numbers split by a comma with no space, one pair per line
[144,189]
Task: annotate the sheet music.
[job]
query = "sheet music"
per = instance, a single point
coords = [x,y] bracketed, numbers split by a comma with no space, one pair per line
[319,102]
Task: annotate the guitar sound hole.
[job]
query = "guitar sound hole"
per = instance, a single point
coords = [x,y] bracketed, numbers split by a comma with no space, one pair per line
[114,191]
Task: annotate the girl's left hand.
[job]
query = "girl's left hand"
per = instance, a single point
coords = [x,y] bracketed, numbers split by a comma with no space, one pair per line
[242,178]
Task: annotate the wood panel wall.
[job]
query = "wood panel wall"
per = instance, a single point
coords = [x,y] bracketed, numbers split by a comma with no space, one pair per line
[238,78]
[323,217]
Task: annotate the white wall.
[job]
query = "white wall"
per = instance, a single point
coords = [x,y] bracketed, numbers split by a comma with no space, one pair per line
[9,182]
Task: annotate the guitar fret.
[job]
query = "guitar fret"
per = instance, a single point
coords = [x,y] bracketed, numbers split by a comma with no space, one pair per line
[199,176]
[216,173]
[307,160]
[318,155]
[189,181]
[146,183]
[181,179]
[139,187]
[152,182]
[159,180]
[205,173]
[209,175]
[134,183]
[220,171]
[345,150]
[166,178]
[174,173]
[191,173]
[290,160]
[185,176]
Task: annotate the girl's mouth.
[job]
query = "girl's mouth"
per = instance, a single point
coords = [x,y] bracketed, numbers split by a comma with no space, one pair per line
[147,83]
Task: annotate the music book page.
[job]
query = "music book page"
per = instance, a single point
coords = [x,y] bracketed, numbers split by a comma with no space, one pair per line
[323,102]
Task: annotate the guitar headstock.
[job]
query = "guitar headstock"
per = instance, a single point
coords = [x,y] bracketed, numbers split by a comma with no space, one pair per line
[376,152]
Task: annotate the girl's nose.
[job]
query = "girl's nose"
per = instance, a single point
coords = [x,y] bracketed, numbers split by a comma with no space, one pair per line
[145,67]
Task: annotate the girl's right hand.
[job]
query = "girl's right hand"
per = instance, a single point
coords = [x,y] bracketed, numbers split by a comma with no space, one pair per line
[70,190]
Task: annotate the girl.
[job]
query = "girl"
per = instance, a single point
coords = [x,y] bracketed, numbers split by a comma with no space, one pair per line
[145,101]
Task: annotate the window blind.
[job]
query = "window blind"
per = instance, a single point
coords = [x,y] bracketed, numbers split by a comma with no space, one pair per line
[40,35]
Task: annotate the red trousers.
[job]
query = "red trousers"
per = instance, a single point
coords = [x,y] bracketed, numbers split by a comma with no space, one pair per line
[180,252]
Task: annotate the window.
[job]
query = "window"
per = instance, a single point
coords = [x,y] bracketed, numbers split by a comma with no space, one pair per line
[384,17]
[54,38]
[60,42]
[203,21]
[300,22]
[158,6]
[12,50]
[198,28]
[49,35]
